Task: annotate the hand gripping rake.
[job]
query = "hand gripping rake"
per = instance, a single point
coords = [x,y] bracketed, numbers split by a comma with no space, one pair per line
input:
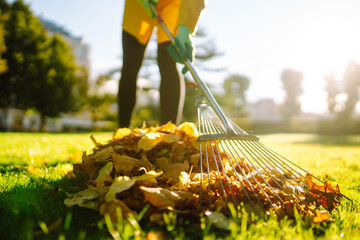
[236,168]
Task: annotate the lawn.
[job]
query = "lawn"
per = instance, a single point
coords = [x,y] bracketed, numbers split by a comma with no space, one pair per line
[33,186]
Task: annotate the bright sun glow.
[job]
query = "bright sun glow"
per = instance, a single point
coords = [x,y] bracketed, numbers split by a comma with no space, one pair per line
[324,46]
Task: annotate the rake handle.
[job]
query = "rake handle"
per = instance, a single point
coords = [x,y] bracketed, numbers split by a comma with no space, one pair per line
[211,100]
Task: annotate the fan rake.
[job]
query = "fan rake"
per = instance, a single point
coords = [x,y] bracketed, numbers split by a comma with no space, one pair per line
[237,169]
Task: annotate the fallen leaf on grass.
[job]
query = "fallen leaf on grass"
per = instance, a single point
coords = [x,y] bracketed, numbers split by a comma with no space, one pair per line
[322,216]
[119,185]
[138,155]
[81,197]
[156,236]
[32,170]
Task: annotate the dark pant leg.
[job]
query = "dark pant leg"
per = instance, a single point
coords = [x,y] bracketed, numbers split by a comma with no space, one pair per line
[133,53]
[172,87]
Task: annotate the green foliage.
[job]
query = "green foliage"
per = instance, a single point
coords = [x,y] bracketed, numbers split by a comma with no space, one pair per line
[3,63]
[24,40]
[41,71]
[52,92]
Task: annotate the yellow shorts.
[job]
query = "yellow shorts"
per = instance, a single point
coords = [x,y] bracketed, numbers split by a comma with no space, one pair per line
[139,24]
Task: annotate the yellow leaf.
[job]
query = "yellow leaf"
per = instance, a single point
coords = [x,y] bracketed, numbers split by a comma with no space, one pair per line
[121,133]
[322,216]
[149,141]
[164,198]
[189,129]
[32,170]
[168,127]
[121,184]
[147,179]
[66,168]
[170,138]
[105,171]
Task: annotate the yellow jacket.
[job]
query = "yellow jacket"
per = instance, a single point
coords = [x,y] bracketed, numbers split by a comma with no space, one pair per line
[174,12]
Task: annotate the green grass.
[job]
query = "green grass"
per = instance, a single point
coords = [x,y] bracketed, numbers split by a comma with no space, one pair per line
[31,204]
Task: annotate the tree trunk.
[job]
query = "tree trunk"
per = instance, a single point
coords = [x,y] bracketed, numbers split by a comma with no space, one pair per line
[43,122]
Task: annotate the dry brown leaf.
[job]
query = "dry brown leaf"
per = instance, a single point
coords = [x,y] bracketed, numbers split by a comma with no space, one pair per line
[173,171]
[173,150]
[164,198]
[162,163]
[102,155]
[148,179]
[124,164]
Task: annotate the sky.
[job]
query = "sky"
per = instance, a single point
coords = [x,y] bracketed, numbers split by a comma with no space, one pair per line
[259,39]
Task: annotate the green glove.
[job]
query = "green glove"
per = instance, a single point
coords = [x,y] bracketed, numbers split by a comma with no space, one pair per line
[147,6]
[184,48]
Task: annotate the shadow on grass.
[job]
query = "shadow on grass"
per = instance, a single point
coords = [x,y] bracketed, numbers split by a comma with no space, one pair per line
[31,202]
[33,208]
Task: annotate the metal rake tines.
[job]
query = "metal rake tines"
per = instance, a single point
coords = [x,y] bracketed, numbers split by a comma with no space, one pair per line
[236,169]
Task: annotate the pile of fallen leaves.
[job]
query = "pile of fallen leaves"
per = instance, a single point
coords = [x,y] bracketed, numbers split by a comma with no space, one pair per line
[161,166]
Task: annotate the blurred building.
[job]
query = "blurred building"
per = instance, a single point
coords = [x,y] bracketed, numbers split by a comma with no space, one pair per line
[263,110]
[79,45]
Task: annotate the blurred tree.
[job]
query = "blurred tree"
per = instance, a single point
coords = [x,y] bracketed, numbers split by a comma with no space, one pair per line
[3,64]
[52,92]
[98,102]
[332,89]
[41,68]
[234,99]
[351,82]
[24,39]
[291,80]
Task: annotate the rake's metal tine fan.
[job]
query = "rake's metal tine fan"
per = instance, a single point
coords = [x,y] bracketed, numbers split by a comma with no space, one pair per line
[236,168]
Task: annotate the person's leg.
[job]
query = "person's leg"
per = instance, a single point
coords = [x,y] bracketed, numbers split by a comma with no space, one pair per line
[172,87]
[133,53]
